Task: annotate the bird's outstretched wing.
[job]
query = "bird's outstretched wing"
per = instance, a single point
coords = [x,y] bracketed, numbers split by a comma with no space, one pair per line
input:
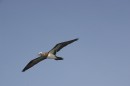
[33,62]
[59,46]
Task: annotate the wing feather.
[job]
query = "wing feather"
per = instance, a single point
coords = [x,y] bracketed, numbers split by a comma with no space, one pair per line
[59,46]
[32,63]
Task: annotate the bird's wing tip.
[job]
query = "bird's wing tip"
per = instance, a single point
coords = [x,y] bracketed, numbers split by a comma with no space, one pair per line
[77,39]
[23,70]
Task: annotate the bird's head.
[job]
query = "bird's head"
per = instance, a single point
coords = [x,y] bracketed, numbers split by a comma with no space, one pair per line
[40,53]
[43,54]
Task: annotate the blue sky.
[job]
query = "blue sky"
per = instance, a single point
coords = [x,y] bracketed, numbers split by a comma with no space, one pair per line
[101,56]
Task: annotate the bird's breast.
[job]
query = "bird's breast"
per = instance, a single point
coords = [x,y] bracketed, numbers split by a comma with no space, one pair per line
[51,56]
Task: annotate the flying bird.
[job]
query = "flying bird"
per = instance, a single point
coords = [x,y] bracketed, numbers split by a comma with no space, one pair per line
[49,55]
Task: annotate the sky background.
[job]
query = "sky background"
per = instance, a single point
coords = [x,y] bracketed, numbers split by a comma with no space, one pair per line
[101,56]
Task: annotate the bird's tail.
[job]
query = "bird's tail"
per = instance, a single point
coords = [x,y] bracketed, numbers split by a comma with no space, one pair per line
[59,58]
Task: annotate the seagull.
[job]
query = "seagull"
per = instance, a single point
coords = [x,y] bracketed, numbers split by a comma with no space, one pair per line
[49,55]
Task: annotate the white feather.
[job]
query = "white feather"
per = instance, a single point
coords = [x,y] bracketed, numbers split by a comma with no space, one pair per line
[51,56]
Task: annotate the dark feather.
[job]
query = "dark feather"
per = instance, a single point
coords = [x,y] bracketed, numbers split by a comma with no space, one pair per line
[32,63]
[59,46]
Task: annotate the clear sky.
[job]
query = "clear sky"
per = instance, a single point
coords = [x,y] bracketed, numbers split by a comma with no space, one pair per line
[101,56]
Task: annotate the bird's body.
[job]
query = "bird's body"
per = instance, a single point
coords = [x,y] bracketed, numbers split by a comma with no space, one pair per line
[48,55]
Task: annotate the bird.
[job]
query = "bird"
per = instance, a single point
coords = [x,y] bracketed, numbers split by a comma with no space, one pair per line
[49,55]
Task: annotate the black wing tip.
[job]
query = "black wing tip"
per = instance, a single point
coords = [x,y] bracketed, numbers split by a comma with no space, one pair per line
[76,39]
[24,70]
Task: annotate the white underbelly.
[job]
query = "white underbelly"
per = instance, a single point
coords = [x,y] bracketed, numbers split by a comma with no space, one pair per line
[51,56]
